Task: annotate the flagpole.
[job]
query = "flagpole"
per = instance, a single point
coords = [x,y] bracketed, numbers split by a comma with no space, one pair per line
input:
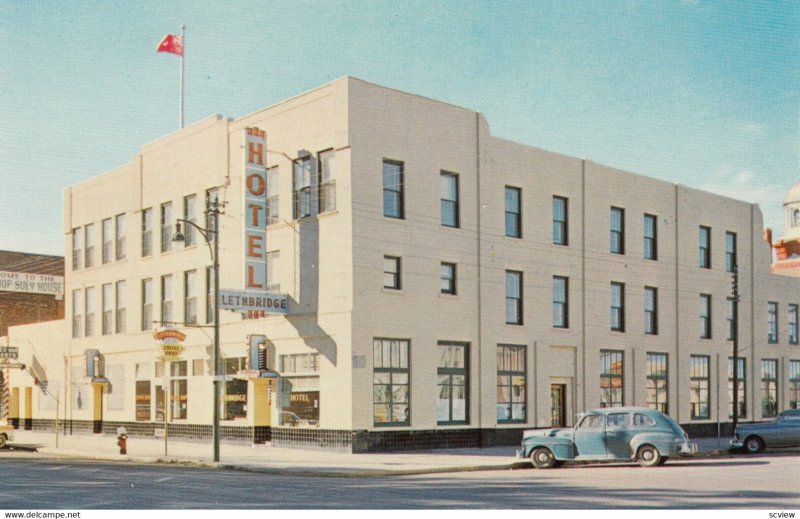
[183,44]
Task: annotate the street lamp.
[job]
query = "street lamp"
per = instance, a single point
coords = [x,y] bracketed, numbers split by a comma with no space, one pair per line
[211,235]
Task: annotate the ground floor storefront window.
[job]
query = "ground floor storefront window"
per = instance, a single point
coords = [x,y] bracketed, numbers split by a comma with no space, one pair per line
[611,378]
[299,399]
[741,378]
[234,397]
[452,383]
[391,382]
[699,382]
[794,384]
[511,383]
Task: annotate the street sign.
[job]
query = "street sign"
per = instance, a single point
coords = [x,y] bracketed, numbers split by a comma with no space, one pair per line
[253,302]
[9,352]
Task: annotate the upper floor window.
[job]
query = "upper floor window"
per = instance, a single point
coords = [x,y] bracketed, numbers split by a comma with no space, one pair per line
[772,309]
[273,281]
[705,316]
[618,307]
[560,302]
[77,313]
[393,187]
[705,247]
[119,307]
[88,241]
[793,324]
[77,249]
[513,297]
[147,232]
[166,299]
[108,308]
[212,197]
[119,236]
[650,237]
[513,212]
[166,227]
[731,318]
[327,181]
[89,312]
[190,297]
[302,187]
[560,221]
[147,304]
[650,310]
[107,239]
[617,230]
[189,214]
[449,201]
[391,272]
[730,251]
[448,278]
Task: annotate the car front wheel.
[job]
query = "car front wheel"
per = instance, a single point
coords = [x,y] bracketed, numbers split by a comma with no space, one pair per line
[648,456]
[753,445]
[2,440]
[543,458]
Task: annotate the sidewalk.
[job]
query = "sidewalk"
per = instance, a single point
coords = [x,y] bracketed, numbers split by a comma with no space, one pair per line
[289,461]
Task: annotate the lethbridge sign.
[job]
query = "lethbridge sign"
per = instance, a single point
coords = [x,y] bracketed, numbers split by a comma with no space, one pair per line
[253,304]
[31,283]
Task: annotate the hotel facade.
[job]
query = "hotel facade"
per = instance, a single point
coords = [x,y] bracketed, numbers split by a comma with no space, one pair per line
[445,288]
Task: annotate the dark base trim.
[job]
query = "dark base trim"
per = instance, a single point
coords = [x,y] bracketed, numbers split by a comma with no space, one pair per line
[28,424]
[97,427]
[14,422]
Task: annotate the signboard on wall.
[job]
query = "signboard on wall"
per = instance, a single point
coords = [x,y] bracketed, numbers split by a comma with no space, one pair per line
[31,283]
[254,303]
[255,210]
[170,344]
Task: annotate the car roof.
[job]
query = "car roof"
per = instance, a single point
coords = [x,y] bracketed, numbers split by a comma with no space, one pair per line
[791,412]
[611,410]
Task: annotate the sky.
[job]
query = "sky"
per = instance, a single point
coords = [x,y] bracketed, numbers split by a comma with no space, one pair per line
[700,93]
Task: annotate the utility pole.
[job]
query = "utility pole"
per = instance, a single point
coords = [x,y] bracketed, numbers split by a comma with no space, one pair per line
[735,292]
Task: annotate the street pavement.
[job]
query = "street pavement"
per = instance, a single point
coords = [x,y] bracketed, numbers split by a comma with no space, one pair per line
[299,462]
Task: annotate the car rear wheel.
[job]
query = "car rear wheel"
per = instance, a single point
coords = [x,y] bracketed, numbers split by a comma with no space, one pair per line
[753,445]
[648,456]
[542,458]
[3,440]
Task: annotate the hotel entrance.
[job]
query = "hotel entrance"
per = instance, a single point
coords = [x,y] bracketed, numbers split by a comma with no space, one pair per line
[558,406]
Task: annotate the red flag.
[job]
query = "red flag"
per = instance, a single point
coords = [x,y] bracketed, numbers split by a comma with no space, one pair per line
[171,43]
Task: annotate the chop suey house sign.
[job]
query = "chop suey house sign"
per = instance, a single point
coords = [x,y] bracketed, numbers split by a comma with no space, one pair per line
[31,283]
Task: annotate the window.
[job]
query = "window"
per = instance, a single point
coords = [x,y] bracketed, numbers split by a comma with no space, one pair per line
[794,384]
[88,330]
[391,272]
[107,239]
[772,309]
[560,226]
[513,297]
[273,281]
[731,309]
[390,382]
[705,247]
[179,397]
[513,212]
[166,227]
[650,237]
[327,181]
[273,195]
[143,400]
[299,363]
[77,313]
[705,316]
[560,302]
[234,392]
[190,297]
[699,383]
[511,384]
[189,214]
[452,405]
[449,202]
[108,306]
[618,307]
[769,388]
[650,311]
[88,242]
[611,378]
[147,304]
[212,198]
[302,187]
[741,376]
[447,272]
[210,295]
[657,382]
[147,232]
[793,324]
[393,203]
[76,249]
[119,306]
[166,299]
[119,236]
[730,251]
[617,230]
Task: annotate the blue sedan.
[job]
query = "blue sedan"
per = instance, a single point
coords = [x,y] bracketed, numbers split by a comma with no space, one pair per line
[621,433]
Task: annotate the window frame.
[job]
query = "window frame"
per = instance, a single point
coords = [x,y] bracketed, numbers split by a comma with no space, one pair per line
[650,310]
[451,373]
[119,237]
[394,191]
[146,306]
[607,360]
[561,306]
[166,299]
[190,214]
[147,232]
[106,239]
[302,189]
[396,274]
[657,380]
[792,319]
[650,237]
[506,373]
[772,322]
[514,299]
[560,221]
[392,370]
[190,297]
[617,230]
[451,207]
[166,227]
[794,384]
[704,250]
[742,393]
[513,213]
[699,372]
[448,283]
[705,316]
[731,253]
[617,315]
[769,388]
[326,201]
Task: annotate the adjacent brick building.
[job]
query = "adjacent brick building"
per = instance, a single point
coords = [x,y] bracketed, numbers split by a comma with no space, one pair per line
[26,307]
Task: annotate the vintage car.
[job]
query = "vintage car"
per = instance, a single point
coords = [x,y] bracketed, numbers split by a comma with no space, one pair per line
[784,431]
[6,435]
[617,433]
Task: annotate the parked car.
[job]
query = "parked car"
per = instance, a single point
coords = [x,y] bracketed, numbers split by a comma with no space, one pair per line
[6,435]
[784,431]
[617,433]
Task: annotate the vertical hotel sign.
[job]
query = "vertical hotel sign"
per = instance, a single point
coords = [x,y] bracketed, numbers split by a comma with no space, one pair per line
[255,207]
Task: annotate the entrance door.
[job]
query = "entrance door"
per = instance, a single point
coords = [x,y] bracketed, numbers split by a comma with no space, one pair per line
[558,405]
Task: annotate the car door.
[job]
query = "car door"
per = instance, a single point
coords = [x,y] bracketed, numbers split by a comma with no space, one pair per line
[618,435]
[787,432]
[590,438]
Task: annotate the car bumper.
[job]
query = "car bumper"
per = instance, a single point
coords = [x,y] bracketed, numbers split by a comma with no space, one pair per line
[736,444]
[520,454]
[688,448]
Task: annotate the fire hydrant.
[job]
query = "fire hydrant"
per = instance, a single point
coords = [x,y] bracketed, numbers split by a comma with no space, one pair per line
[122,440]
